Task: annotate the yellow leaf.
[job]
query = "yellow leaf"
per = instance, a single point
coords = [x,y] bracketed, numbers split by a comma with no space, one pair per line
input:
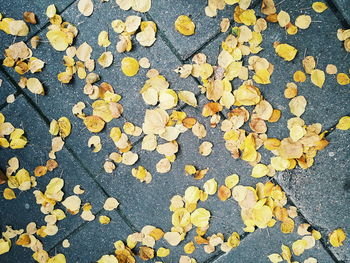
[130,66]
[259,170]
[141,5]
[5,246]
[35,86]
[86,7]
[51,11]
[108,259]
[104,220]
[58,39]
[103,39]
[275,258]
[286,51]
[163,252]
[337,237]
[303,21]
[188,97]
[344,123]
[94,123]
[343,79]
[318,77]
[65,127]
[106,59]
[184,25]
[319,7]
[200,217]
[262,76]
[9,194]
[59,258]
[231,180]
[299,246]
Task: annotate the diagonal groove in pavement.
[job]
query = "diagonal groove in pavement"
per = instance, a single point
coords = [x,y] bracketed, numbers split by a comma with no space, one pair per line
[338,14]
[221,253]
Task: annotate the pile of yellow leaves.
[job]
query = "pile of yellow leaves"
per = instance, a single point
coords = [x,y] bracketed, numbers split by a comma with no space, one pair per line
[80,67]
[20,57]
[10,136]
[145,32]
[262,206]
[61,34]
[13,27]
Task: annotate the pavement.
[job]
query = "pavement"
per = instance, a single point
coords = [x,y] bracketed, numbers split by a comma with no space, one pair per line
[320,193]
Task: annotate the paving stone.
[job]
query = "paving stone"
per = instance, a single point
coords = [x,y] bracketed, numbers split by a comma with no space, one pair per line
[58,95]
[165,13]
[5,89]
[90,242]
[343,8]
[322,192]
[15,10]
[22,115]
[257,246]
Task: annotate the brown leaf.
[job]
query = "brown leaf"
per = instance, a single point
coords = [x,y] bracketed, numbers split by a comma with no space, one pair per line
[29,17]
[3,178]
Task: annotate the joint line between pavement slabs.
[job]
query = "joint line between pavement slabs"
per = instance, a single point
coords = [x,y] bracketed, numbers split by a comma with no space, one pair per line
[322,240]
[333,127]
[121,214]
[338,14]
[74,231]
[221,253]
[166,40]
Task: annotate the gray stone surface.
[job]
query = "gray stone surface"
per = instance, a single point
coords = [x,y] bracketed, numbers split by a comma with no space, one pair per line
[322,192]
[5,89]
[22,115]
[257,246]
